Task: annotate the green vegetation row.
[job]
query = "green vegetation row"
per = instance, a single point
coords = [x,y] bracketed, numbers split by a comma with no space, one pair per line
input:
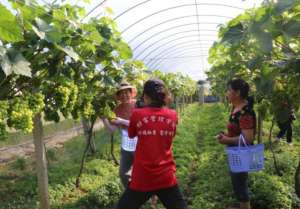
[201,169]
[205,177]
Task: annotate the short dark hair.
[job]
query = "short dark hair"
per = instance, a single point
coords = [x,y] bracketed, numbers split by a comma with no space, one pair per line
[239,84]
[155,89]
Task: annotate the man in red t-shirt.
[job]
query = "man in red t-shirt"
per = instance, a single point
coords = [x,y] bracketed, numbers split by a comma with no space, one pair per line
[153,167]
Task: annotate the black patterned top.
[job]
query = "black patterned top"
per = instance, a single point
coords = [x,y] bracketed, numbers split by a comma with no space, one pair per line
[242,119]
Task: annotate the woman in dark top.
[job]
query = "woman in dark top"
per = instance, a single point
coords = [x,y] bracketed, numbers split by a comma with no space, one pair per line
[242,120]
[284,116]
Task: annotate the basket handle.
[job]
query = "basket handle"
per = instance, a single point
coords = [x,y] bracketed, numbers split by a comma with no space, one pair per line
[242,138]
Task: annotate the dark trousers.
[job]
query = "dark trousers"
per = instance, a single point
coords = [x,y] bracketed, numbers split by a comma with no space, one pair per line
[240,186]
[171,198]
[126,161]
[285,128]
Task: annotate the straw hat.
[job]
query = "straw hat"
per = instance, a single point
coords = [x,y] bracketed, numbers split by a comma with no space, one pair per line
[125,85]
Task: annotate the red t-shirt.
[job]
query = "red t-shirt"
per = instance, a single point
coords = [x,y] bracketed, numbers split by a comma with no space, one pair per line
[153,167]
[124,110]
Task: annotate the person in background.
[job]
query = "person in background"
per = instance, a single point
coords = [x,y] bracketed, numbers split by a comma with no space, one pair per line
[154,168]
[125,96]
[242,120]
[284,116]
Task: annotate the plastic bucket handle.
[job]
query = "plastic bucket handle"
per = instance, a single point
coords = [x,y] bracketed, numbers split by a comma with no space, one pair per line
[242,138]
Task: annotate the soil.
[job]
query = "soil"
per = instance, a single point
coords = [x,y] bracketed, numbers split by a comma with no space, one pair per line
[24,150]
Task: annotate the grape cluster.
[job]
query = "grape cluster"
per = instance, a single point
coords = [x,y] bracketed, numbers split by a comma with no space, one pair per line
[18,112]
[36,102]
[63,99]
[106,112]
[20,115]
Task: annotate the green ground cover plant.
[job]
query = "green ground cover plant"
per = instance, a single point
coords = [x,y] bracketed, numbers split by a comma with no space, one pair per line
[202,171]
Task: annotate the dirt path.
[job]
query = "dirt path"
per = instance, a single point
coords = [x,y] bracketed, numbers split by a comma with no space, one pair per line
[24,150]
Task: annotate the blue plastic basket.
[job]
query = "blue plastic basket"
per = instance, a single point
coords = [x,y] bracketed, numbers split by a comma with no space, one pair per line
[247,158]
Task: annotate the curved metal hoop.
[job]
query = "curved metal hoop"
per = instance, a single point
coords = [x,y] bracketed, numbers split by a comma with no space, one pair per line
[178,55]
[154,61]
[201,42]
[175,7]
[170,65]
[131,8]
[175,46]
[161,62]
[171,20]
[169,29]
[191,45]
[177,52]
[173,34]
[162,45]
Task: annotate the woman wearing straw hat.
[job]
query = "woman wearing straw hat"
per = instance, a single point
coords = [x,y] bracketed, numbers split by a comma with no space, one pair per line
[125,95]
[154,167]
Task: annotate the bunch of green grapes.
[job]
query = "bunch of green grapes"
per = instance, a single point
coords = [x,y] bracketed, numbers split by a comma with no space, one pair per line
[81,102]
[106,112]
[20,115]
[64,100]
[61,96]
[36,102]
[66,96]
[87,110]
[73,96]
[72,100]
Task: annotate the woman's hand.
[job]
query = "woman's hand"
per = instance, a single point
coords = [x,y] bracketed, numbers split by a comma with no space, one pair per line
[120,121]
[116,121]
[223,139]
[110,126]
